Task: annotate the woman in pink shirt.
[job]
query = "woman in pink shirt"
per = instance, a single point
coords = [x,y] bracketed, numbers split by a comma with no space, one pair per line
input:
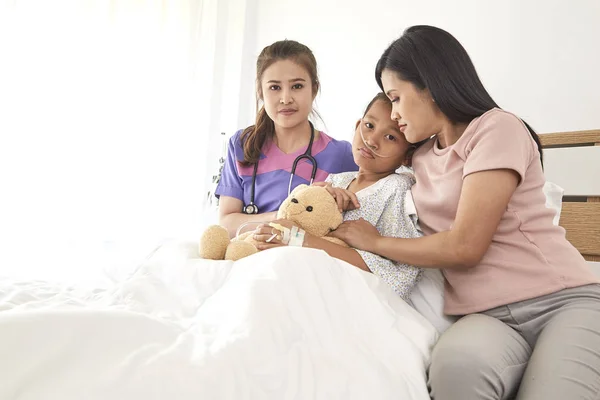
[530,304]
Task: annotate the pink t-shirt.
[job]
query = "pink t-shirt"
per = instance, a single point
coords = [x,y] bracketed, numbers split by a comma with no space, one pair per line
[528,256]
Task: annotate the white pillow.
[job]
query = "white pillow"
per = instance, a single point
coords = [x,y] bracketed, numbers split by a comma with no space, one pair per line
[428,299]
[595,267]
[428,295]
[554,195]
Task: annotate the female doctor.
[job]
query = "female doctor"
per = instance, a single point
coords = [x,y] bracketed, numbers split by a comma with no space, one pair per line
[282,149]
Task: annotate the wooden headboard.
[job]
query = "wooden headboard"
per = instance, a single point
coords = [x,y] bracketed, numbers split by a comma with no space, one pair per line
[572,161]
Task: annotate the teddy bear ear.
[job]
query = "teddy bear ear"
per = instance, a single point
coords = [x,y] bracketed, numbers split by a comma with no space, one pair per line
[298,189]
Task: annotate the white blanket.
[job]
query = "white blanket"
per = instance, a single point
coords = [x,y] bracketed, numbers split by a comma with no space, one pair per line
[282,324]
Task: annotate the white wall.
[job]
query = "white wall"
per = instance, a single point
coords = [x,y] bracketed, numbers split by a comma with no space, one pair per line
[539,59]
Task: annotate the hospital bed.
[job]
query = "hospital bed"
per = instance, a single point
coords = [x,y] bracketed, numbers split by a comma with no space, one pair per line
[572,160]
[283,324]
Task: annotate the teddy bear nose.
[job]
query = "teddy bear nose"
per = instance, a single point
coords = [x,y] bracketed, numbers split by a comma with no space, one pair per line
[295,201]
[309,208]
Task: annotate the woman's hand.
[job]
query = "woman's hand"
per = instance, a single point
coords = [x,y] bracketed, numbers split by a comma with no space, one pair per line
[265,232]
[358,234]
[345,199]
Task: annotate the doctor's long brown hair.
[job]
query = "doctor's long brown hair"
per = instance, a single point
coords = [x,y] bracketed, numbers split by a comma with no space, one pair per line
[254,137]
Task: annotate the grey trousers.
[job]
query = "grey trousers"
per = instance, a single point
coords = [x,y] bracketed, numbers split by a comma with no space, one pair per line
[547,348]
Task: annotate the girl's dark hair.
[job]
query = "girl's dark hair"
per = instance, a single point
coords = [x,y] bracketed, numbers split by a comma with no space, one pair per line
[378,97]
[254,137]
[431,58]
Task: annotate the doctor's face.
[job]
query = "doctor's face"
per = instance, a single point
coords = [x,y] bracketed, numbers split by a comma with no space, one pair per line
[287,92]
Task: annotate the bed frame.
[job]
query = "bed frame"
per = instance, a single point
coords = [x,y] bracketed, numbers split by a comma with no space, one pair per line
[572,161]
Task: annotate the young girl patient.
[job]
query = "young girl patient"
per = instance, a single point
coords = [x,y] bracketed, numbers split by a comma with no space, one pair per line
[375,193]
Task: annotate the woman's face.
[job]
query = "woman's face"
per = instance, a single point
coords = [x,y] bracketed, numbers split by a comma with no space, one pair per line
[384,148]
[414,110]
[287,93]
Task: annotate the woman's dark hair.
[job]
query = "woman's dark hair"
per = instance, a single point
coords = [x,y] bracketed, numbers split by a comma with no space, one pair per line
[254,137]
[431,58]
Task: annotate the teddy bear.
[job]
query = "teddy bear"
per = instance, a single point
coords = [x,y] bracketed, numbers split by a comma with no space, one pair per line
[311,208]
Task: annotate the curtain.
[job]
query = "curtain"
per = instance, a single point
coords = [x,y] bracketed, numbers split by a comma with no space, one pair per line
[108,132]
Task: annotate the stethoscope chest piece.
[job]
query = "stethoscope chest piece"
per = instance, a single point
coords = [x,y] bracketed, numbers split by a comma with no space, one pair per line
[250,209]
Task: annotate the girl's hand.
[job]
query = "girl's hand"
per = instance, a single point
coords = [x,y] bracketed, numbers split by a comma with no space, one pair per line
[358,234]
[265,232]
[345,199]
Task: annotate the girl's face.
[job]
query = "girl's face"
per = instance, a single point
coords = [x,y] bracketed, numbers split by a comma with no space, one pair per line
[287,93]
[386,148]
[414,111]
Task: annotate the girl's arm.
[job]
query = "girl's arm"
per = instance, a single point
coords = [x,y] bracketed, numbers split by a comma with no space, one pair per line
[347,254]
[351,256]
[484,198]
[231,216]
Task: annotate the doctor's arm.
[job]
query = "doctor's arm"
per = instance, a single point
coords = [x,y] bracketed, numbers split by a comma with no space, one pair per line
[231,215]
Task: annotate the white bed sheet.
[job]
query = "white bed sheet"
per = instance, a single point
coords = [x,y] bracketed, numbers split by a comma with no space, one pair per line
[282,324]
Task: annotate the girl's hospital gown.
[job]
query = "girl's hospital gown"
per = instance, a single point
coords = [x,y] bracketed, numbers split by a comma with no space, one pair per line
[388,206]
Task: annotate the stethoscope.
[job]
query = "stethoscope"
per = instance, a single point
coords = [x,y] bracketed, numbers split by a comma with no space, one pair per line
[252,208]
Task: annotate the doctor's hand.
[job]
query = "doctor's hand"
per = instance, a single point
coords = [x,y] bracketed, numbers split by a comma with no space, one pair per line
[358,234]
[345,199]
